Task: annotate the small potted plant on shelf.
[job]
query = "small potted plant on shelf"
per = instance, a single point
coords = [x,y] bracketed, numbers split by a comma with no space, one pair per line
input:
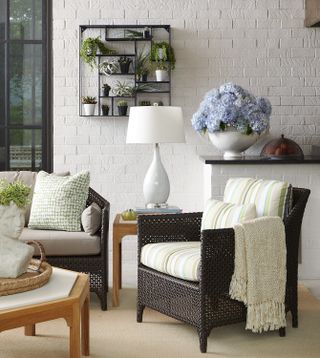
[123,89]
[142,66]
[122,107]
[89,50]
[144,103]
[162,54]
[106,89]
[105,109]
[124,63]
[89,104]
[109,67]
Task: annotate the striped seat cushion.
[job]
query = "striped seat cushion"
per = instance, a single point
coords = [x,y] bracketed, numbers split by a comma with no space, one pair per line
[178,259]
[219,215]
[271,197]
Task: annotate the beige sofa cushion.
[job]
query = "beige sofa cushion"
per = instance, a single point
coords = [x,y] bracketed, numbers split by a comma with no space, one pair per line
[63,243]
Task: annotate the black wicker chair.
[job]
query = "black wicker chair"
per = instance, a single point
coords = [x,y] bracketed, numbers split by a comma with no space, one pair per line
[95,265]
[206,304]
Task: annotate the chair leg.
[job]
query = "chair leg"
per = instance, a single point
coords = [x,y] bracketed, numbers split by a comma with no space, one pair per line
[282,332]
[140,309]
[203,338]
[294,319]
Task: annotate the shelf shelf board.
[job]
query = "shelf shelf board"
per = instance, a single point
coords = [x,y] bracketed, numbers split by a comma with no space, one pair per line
[118,74]
[127,39]
[98,115]
[116,97]
[152,92]
[141,82]
[117,55]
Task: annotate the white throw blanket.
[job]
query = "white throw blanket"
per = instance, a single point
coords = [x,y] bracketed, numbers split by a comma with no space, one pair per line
[259,278]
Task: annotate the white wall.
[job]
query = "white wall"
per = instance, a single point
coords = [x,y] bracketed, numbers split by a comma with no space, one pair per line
[260,44]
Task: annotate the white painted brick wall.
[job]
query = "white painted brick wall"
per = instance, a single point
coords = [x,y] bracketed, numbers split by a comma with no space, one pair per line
[260,44]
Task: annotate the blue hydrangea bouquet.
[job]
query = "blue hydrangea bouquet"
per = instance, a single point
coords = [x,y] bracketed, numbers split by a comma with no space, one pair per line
[231,106]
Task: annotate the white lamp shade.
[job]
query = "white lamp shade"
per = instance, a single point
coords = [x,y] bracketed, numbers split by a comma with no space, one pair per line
[155,124]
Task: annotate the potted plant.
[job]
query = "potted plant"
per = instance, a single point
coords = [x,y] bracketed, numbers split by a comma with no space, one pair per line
[233,118]
[124,63]
[123,89]
[142,66]
[144,103]
[105,109]
[89,104]
[106,89]
[89,50]
[122,107]
[162,54]
[14,198]
[109,67]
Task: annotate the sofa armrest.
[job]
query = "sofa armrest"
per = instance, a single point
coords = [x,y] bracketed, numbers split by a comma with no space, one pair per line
[217,260]
[168,228]
[94,197]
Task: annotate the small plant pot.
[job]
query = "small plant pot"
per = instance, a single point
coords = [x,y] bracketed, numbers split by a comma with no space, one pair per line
[122,110]
[124,67]
[89,109]
[161,75]
[106,91]
[105,110]
[144,78]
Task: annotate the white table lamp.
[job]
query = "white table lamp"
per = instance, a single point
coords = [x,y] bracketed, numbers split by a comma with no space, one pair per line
[156,124]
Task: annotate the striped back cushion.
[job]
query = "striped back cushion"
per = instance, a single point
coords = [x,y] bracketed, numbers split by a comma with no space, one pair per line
[218,214]
[178,259]
[271,197]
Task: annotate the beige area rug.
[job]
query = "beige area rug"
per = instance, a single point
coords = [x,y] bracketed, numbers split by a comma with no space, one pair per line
[115,334]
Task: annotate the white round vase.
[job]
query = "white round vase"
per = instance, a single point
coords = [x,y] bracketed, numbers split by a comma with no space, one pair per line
[232,143]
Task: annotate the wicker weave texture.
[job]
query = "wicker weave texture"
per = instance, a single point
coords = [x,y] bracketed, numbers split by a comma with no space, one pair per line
[207,304]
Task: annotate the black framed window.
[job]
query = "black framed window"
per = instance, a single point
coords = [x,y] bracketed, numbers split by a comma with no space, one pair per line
[25,86]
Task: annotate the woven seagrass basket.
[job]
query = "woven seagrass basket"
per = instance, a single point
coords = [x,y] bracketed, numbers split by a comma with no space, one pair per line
[38,274]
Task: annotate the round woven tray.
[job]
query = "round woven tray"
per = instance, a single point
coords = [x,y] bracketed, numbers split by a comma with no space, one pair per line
[38,274]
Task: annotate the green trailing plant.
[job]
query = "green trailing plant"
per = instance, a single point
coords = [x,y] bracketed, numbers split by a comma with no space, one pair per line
[88,100]
[162,52]
[122,103]
[161,66]
[89,49]
[17,193]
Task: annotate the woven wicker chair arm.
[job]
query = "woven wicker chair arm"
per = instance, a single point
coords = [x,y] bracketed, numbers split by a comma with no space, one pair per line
[217,260]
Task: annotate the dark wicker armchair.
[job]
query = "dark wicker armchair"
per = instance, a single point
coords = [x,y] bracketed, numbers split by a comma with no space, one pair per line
[206,304]
[95,265]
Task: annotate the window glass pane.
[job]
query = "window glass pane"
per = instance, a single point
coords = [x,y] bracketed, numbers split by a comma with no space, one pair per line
[2,85]
[25,84]
[2,149]
[2,18]
[26,19]
[25,149]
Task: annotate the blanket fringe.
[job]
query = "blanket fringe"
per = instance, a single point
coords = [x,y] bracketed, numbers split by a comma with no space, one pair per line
[266,316]
[238,289]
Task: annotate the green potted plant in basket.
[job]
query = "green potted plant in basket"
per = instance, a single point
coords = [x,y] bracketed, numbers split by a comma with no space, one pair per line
[89,104]
[122,107]
[163,58]
[90,48]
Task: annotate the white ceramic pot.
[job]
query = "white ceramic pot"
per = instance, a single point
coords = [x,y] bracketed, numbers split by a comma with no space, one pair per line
[232,143]
[89,109]
[161,75]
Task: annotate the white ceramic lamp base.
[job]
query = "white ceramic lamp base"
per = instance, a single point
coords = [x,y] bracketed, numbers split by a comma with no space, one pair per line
[156,186]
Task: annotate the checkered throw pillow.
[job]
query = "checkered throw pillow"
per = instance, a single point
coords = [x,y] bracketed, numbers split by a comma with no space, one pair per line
[58,201]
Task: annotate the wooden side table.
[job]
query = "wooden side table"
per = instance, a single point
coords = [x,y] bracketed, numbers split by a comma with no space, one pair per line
[120,230]
[74,309]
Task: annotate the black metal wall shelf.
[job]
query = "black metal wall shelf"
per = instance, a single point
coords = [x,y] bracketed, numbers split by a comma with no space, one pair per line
[133,43]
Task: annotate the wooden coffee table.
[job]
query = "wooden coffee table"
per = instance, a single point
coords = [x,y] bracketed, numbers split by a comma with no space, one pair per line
[74,309]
